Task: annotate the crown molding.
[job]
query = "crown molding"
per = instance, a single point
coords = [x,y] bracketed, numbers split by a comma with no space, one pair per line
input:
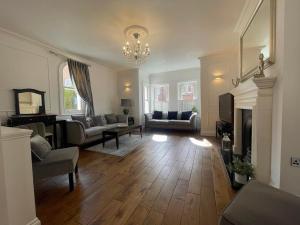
[246,15]
[50,48]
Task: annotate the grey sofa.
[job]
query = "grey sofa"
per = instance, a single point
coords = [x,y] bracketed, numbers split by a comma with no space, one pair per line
[260,204]
[164,123]
[82,131]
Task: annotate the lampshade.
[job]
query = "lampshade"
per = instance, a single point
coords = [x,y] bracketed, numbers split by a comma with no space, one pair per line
[125,102]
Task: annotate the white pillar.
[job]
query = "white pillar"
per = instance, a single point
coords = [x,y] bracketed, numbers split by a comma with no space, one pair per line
[17,205]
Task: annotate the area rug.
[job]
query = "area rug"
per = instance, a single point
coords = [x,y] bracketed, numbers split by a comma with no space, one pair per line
[127,144]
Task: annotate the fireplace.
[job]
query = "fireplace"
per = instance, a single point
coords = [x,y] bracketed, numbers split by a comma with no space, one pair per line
[246,134]
[253,124]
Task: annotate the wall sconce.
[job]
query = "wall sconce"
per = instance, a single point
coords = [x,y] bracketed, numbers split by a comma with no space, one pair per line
[127,87]
[218,77]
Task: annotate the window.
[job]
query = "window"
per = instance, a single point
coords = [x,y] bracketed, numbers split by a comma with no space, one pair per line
[146,99]
[71,102]
[160,97]
[187,95]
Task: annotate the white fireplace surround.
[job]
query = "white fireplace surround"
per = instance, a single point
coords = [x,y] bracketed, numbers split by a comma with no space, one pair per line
[256,95]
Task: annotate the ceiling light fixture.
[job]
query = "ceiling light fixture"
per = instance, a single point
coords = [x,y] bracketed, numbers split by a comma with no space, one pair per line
[134,49]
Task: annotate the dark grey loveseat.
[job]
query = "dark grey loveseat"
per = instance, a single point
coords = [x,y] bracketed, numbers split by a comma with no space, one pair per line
[164,123]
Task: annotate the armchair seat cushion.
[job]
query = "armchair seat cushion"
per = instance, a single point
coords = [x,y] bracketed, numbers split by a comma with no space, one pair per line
[57,162]
[261,204]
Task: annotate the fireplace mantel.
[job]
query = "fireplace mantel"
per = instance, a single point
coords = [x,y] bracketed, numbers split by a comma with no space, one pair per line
[257,95]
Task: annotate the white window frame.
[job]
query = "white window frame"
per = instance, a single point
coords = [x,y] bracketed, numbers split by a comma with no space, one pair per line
[146,92]
[153,97]
[179,96]
[61,95]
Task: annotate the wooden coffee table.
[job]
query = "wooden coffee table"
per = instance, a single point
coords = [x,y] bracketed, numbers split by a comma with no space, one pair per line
[120,131]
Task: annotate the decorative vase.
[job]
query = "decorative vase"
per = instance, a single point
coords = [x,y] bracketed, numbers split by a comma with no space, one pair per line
[241,179]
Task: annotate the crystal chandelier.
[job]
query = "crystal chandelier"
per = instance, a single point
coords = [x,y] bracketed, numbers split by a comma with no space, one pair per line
[134,50]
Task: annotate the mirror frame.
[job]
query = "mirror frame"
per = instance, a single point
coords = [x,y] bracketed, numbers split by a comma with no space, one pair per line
[271,60]
[17,102]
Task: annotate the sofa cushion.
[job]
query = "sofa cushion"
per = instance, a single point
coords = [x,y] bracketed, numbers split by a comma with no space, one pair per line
[99,120]
[172,115]
[114,125]
[157,115]
[179,123]
[111,118]
[186,115]
[158,122]
[82,119]
[122,119]
[40,147]
[94,131]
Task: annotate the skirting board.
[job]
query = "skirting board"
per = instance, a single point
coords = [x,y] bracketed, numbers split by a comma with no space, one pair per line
[208,133]
[35,221]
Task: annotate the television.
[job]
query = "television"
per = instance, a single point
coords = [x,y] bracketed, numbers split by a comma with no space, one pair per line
[226,107]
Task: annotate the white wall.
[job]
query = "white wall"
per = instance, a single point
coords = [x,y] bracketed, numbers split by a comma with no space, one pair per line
[225,64]
[286,93]
[290,176]
[172,78]
[25,63]
[144,79]
[128,81]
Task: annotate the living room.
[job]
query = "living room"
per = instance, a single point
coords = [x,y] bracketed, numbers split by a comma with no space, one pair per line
[129,96]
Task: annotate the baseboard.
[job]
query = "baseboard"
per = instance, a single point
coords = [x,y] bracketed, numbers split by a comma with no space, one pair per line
[208,133]
[35,221]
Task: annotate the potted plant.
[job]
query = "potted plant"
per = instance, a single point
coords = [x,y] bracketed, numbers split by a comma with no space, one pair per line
[194,109]
[126,111]
[242,170]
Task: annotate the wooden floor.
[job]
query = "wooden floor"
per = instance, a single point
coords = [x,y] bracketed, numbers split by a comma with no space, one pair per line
[179,181]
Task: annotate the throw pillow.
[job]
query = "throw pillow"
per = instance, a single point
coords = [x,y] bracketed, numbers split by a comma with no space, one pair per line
[122,118]
[157,115]
[111,118]
[98,120]
[40,147]
[82,119]
[172,115]
[186,115]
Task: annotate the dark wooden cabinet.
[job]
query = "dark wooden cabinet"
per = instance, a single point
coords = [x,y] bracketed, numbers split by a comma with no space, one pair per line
[17,120]
[47,119]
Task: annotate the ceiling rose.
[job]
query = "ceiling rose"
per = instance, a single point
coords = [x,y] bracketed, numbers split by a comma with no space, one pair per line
[134,49]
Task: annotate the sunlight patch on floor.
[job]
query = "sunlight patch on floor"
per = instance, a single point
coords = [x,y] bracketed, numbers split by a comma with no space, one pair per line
[202,143]
[159,138]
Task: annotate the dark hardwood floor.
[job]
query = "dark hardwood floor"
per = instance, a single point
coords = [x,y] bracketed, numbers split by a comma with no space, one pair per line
[177,181]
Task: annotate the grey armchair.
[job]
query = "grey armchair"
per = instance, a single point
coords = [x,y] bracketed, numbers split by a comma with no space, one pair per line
[47,162]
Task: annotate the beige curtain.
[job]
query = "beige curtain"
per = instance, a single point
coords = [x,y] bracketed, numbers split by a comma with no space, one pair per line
[80,75]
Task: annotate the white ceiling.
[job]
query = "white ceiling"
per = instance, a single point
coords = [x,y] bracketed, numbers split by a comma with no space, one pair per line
[180,30]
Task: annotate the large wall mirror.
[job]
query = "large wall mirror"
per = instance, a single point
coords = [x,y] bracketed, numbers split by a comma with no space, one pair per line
[29,101]
[259,37]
